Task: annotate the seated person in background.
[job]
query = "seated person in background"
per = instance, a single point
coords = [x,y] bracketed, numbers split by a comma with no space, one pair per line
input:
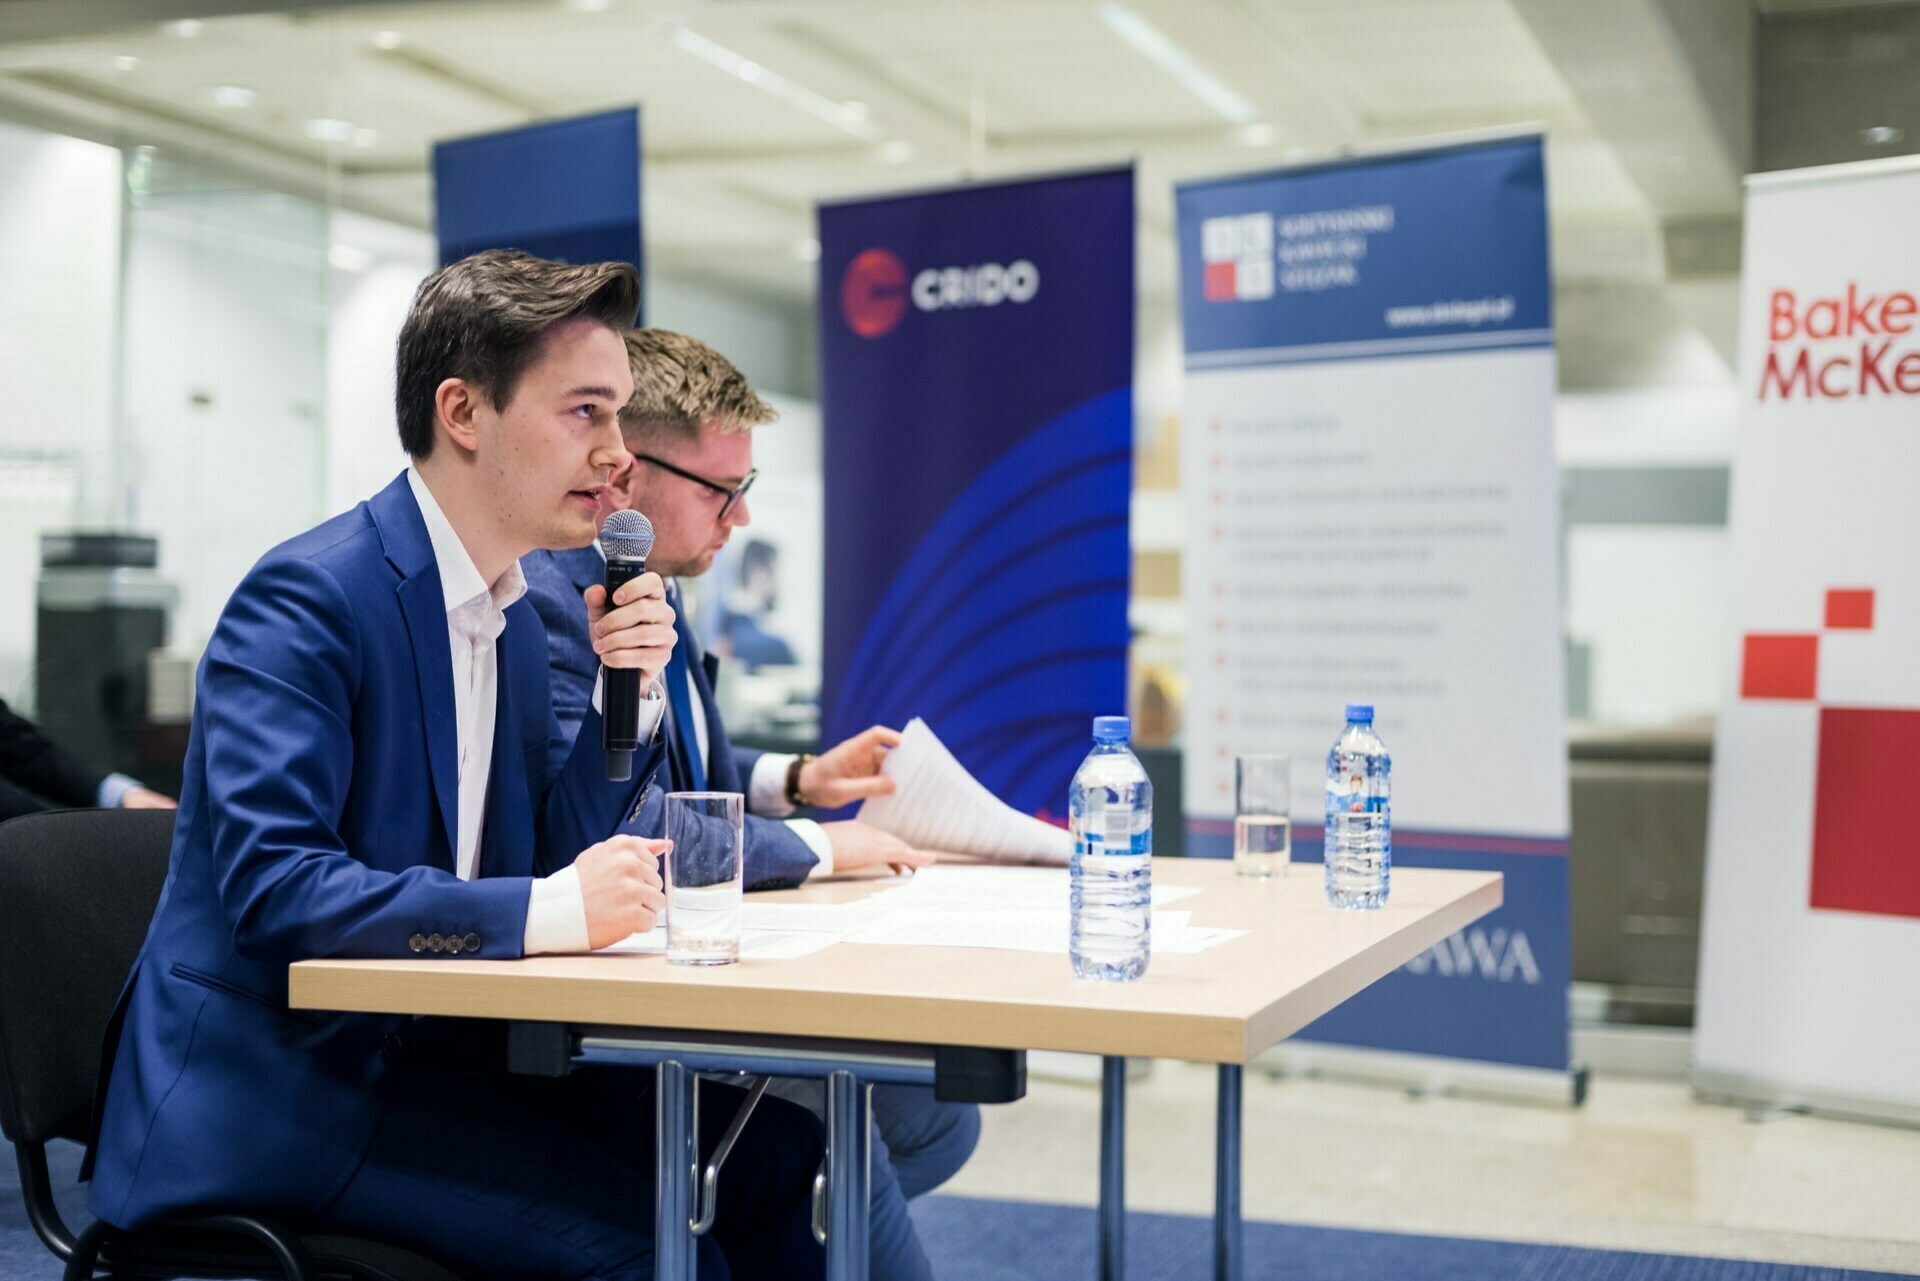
[690,427]
[369,777]
[742,636]
[37,774]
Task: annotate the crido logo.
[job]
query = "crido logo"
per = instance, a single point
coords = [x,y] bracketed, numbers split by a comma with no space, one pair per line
[986,285]
[873,293]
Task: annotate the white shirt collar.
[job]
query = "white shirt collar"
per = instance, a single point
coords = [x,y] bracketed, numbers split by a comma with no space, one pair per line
[460,581]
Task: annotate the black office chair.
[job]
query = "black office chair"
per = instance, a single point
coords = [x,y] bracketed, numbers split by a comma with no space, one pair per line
[77,889]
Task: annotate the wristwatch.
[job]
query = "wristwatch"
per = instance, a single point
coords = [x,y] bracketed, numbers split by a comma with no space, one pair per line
[794,797]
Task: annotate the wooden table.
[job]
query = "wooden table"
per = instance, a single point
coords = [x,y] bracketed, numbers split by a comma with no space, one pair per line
[855,1014]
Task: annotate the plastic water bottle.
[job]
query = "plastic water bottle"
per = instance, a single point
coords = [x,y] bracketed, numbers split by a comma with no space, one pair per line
[1111,809]
[1359,835]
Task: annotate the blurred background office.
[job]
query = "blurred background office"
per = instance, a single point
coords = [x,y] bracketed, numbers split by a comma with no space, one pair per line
[213,214]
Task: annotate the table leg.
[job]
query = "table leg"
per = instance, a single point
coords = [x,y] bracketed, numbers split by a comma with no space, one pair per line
[1113,1168]
[849,1124]
[1228,1251]
[673,1249]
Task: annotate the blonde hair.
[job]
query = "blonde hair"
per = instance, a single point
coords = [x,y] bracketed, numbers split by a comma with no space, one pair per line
[680,383]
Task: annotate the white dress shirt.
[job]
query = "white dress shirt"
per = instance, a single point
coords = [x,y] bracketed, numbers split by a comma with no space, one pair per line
[476,615]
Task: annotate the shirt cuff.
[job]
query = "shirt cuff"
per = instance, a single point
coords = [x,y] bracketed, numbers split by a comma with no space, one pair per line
[557,914]
[113,790]
[767,789]
[816,838]
[653,706]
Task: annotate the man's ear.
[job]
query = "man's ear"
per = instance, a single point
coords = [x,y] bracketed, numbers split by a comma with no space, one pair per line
[624,482]
[455,402]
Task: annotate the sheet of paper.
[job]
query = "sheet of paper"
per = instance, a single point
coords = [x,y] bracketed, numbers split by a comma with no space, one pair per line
[1022,931]
[938,805]
[1010,887]
[759,945]
[811,918]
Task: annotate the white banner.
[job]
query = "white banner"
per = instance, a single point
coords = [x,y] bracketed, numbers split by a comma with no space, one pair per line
[1371,518]
[1810,965]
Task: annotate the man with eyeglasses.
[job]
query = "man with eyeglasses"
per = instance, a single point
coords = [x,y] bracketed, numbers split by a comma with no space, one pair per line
[689,427]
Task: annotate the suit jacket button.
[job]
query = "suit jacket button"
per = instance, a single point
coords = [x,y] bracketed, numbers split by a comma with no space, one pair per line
[471,942]
[418,943]
[454,944]
[435,943]
[391,1049]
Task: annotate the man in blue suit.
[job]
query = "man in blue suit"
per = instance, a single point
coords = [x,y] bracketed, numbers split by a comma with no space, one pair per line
[370,775]
[689,427]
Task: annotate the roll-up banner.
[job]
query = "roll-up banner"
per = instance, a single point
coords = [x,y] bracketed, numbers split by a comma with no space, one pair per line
[1371,517]
[1810,960]
[976,387]
[565,189]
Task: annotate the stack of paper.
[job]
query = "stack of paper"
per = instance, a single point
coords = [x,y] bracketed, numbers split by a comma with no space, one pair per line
[758,944]
[938,805]
[1024,909]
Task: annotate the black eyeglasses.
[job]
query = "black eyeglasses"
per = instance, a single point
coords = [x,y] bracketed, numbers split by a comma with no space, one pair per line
[732,496]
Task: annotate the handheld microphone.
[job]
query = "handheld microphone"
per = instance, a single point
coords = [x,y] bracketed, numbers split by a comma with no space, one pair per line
[627,538]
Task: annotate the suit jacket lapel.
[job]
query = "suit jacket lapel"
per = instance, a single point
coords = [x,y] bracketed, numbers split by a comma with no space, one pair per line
[506,838]
[403,531]
[584,566]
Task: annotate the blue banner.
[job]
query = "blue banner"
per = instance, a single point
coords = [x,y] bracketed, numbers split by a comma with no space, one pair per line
[1372,517]
[567,190]
[1433,251]
[976,386]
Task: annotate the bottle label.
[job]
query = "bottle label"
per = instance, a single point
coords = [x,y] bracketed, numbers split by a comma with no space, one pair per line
[1105,845]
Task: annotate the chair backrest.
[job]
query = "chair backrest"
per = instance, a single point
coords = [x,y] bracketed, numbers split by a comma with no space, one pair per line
[77,891]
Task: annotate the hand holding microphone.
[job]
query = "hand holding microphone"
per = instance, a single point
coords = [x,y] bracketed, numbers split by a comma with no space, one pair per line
[631,626]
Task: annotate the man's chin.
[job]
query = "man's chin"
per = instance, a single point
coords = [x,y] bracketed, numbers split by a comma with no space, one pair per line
[575,532]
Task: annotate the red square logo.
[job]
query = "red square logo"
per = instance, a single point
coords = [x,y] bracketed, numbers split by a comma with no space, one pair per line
[1866,830]
[1850,608]
[1219,282]
[1780,667]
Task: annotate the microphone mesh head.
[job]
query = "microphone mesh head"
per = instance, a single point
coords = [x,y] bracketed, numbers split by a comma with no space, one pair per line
[626,535]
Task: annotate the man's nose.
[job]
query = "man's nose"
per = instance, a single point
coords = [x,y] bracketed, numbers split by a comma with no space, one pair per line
[610,449]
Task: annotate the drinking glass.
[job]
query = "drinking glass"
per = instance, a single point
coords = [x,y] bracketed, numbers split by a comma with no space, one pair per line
[705,877]
[1262,799]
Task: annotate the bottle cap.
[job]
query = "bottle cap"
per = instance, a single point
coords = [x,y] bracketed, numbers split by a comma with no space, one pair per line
[1112,729]
[1361,712]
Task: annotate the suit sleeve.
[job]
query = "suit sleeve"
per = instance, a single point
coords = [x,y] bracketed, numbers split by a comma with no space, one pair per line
[777,858]
[744,759]
[571,662]
[582,808]
[276,706]
[35,763]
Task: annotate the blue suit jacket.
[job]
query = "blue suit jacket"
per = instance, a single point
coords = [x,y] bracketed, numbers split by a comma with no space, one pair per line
[776,857]
[317,820]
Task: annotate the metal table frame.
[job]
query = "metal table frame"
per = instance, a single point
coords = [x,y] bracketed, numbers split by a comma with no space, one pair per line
[684,1196]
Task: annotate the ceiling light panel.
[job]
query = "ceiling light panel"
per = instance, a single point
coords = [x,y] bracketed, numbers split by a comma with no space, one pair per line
[1161,50]
[850,118]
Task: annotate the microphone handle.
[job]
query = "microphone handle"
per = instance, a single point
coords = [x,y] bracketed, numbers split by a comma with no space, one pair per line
[620,691]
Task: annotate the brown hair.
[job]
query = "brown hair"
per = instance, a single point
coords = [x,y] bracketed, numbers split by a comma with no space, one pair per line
[680,383]
[483,319]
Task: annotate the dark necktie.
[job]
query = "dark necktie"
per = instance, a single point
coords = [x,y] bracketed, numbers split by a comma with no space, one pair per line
[686,740]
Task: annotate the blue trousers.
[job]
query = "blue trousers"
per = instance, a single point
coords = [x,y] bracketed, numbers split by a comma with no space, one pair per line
[926,1141]
[921,1141]
[515,1178]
